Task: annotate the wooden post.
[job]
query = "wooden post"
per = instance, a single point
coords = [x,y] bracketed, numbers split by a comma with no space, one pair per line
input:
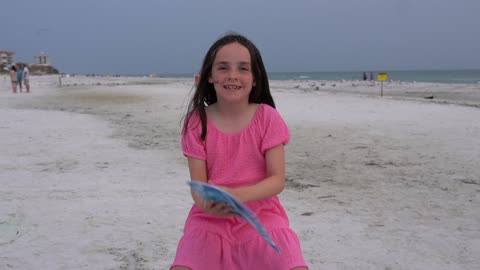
[381,91]
[60,81]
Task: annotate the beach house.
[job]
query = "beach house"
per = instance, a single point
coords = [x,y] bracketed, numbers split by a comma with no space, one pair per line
[42,65]
[7,59]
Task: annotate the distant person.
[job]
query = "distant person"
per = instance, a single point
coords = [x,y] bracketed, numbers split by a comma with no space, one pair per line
[371,76]
[26,78]
[13,79]
[364,76]
[20,77]
[236,142]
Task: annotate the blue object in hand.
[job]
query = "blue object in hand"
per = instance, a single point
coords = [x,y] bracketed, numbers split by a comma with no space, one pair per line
[209,192]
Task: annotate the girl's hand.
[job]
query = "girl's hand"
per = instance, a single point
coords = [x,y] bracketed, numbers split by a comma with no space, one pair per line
[216,209]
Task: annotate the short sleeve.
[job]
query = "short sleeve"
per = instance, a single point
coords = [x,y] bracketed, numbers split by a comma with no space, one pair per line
[276,131]
[192,144]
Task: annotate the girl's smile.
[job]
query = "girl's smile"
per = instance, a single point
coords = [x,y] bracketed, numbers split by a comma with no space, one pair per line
[232,87]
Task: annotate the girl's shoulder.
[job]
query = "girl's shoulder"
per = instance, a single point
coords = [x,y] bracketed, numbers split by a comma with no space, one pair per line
[268,113]
[192,121]
[267,109]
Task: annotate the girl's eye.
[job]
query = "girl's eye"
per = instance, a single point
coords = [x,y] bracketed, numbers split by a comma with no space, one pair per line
[244,68]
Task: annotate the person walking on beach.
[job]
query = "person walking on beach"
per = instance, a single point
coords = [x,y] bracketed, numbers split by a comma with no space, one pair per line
[234,138]
[26,78]
[13,79]
[364,76]
[371,76]
[20,77]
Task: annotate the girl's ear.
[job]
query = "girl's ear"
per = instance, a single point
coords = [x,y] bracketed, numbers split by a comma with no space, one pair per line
[210,80]
[196,78]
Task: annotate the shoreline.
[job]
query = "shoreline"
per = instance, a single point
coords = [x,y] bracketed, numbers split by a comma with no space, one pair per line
[440,93]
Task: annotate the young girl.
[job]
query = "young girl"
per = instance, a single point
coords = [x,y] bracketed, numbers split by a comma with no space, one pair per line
[234,139]
[13,79]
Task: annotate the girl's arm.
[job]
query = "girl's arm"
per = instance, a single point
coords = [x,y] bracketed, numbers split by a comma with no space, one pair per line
[198,172]
[270,186]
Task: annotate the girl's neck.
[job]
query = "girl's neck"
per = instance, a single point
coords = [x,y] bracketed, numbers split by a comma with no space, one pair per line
[231,119]
[232,110]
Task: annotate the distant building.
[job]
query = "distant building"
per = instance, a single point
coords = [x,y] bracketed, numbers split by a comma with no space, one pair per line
[42,69]
[41,59]
[41,65]
[7,59]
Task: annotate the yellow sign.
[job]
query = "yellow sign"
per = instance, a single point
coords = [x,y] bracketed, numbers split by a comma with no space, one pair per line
[382,76]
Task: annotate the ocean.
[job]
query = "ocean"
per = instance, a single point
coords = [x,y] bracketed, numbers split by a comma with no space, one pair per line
[432,76]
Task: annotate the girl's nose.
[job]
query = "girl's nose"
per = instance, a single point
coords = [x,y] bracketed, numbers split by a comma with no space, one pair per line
[233,74]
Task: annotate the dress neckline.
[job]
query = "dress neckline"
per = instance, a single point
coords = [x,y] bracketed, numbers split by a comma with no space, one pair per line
[255,115]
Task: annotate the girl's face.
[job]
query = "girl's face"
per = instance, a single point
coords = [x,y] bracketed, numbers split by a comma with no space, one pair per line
[231,74]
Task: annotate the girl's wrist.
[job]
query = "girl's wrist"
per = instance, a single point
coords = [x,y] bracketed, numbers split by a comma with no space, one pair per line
[240,195]
[235,192]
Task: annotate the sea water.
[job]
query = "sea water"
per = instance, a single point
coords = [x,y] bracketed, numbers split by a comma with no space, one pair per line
[432,76]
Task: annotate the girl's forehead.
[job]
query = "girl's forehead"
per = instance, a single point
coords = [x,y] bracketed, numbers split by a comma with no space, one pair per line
[231,52]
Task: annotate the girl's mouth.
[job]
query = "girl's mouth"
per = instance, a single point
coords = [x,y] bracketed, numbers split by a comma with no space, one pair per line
[232,87]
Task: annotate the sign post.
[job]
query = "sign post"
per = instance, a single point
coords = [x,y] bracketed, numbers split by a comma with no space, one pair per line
[382,76]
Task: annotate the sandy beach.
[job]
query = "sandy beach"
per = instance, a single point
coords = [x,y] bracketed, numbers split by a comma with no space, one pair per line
[92,175]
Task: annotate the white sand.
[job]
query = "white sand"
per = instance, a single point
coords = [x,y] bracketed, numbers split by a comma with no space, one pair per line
[92,175]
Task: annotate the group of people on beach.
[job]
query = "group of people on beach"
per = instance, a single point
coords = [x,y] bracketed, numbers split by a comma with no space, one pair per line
[364,77]
[19,76]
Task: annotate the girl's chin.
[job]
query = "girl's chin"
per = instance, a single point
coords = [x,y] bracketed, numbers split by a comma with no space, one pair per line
[232,91]
[229,94]
[234,100]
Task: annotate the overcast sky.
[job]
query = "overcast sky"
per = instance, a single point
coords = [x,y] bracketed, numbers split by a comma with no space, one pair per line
[144,36]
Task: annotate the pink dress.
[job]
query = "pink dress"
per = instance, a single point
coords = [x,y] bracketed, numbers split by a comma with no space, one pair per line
[219,243]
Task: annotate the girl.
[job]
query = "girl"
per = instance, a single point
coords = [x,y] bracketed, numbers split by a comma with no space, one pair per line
[234,139]
[13,79]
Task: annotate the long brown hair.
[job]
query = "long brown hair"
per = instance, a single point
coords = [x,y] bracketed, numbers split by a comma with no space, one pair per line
[205,92]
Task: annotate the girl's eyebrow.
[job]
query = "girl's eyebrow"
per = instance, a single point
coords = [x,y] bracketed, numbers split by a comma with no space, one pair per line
[226,63]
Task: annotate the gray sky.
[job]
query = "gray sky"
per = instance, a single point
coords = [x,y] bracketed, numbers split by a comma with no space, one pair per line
[144,36]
